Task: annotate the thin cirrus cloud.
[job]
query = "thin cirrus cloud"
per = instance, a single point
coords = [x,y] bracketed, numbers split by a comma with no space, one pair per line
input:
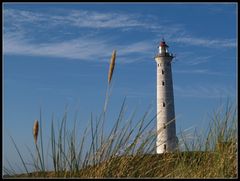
[198,71]
[74,49]
[18,41]
[80,48]
[100,20]
[200,60]
[228,43]
[80,18]
[204,91]
[194,59]
[20,26]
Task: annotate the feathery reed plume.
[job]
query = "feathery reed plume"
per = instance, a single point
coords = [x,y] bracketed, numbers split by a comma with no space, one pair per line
[35,131]
[111,67]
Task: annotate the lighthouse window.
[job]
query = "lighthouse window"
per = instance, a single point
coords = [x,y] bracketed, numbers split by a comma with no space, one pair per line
[158,64]
[165,147]
[162,71]
[164,126]
[162,82]
[163,104]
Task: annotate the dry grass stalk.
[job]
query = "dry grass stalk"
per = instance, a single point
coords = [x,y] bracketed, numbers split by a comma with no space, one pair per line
[35,131]
[111,68]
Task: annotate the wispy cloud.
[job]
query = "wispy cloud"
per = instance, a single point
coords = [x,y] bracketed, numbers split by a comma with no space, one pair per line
[18,39]
[93,19]
[210,43]
[138,47]
[204,91]
[77,18]
[194,58]
[91,49]
[199,60]
[221,9]
[76,49]
[40,34]
[198,71]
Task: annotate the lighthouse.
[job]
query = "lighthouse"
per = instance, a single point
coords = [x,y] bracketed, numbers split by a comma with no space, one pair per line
[166,127]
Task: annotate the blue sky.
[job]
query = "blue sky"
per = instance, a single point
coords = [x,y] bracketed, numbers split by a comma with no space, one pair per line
[57,54]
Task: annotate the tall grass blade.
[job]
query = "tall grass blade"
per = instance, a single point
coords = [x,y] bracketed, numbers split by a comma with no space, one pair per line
[19,155]
[43,169]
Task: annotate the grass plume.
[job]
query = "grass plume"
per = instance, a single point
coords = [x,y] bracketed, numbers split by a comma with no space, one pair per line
[35,131]
[111,66]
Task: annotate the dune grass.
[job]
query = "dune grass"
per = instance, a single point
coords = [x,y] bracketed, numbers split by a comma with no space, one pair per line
[129,150]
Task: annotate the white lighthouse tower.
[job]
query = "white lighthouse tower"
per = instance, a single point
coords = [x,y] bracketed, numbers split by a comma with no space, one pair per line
[166,128]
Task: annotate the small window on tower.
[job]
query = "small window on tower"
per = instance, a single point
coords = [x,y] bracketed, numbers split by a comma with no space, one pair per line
[162,71]
[162,82]
[163,104]
[165,147]
[164,126]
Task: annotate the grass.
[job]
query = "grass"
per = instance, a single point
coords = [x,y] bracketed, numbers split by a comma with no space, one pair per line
[128,150]
[125,154]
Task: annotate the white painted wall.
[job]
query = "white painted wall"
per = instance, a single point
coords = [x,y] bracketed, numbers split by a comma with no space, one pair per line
[166,138]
